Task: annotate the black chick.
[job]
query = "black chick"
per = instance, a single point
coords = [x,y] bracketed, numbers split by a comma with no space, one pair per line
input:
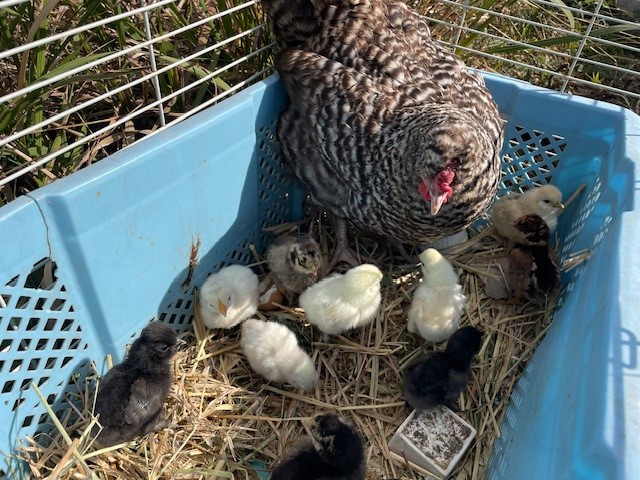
[533,272]
[440,377]
[334,451]
[131,395]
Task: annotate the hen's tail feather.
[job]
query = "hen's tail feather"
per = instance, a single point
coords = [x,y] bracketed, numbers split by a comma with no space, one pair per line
[293,21]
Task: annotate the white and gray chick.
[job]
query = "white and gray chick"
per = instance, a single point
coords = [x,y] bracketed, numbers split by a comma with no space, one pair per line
[273,351]
[295,264]
[334,451]
[440,377]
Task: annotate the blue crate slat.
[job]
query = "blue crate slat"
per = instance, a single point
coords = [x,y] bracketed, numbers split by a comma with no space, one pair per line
[121,232]
[573,414]
[128,225]
[43,338]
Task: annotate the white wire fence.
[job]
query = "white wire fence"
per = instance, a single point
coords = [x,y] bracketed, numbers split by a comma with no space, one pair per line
[84,79]
[80,80]
[583,46]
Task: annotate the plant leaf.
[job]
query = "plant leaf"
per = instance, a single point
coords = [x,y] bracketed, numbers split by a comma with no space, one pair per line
[565,39]
[567,13]
[74,63]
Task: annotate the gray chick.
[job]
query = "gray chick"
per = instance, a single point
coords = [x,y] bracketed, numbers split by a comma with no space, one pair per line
[334,451]
[295,264]
[131,395]
[440,377]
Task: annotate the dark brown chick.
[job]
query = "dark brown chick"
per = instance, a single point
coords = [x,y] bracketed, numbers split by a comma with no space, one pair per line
[295,264]
[533,272]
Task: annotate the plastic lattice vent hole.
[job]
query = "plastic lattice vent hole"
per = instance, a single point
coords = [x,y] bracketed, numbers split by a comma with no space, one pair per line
[581,219]
[41,337]
[274,181]
[530,157]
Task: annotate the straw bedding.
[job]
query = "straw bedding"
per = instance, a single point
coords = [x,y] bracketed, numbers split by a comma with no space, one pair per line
[225,416]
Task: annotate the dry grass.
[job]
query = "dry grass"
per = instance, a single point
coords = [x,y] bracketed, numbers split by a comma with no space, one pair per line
[225,416]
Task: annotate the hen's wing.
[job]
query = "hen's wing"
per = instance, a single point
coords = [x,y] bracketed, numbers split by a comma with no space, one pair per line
[391,44]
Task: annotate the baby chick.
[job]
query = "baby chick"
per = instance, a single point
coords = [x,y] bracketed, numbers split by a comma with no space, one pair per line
[438,301]
[440,377]
[228,297]
[273,352]
[131,395]
[334,451]
[343,301]
[545,201]
[533,272]
[295,264]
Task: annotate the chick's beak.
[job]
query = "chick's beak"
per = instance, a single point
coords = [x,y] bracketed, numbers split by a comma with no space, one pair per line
[223,308]
[559,205]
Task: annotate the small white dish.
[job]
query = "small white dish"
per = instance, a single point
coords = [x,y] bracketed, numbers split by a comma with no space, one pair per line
[434,440]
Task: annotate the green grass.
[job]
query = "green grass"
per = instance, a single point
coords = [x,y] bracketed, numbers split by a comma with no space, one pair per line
[35,20]
[563,17]
[39,19]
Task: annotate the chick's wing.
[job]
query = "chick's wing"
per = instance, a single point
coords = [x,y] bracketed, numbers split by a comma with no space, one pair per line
[145,401]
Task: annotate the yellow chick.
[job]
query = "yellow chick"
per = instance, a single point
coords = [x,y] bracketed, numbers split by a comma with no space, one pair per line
[228,297]
[438,301]
[273,352]
[343,301]
[545,201]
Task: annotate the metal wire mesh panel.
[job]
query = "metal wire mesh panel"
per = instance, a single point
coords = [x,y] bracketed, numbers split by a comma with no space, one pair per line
[84,79]
[582,46]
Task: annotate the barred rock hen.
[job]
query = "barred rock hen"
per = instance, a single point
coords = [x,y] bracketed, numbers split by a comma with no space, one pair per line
[383,120]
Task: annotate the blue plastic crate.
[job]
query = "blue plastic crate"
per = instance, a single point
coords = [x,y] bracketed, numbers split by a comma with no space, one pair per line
[86,262]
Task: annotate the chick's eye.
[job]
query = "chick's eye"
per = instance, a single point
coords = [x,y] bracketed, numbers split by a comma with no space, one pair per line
[163,347]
